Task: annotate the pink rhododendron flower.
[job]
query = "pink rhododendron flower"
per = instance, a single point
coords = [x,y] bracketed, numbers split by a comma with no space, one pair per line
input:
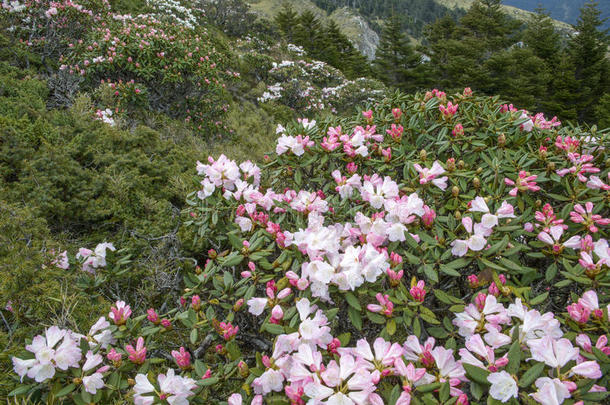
[172,388]
[119,313]
[183,358]
[448,111]
[524,182]
[586,217]
[503,386]
[137,355]
[431,175]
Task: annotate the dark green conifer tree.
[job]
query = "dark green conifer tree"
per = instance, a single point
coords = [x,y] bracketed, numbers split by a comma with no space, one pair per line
[587,49]
[342,54]
[564,90]
[309,34]
[484,31]
[287,20]
[541,37]
[396,61]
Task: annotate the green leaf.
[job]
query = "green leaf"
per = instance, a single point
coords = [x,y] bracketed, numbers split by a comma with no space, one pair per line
[428,387]
[446,298]
[355,317]
[514,358]
[344,338]
[227,279]
[551,272]
[232,260]
[375,318]
[431,273]
[476,373]
[352,301]
[65,391]
[539,299]
[274,328]
[21,390]
[208,381]
[444,392]
[391,327]
[193,336]
[531,374]
[449,271]
[459,263]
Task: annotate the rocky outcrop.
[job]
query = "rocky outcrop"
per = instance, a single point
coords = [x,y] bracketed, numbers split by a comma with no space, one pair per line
[357,30]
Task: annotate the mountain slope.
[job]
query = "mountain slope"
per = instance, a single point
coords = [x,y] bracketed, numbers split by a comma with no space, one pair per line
[352,24]
[514,11]
[563,10]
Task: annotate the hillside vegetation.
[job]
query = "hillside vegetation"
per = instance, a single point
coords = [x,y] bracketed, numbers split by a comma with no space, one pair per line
[209,203]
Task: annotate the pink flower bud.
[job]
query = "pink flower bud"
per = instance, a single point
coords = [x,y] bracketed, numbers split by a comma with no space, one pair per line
[473,281]
[284,293]
[493,289]
[397,113]
[351,167]
[196,302]
[114,356]
[183,358]
[578,312]
[479,301]
[277,314]
[333,346]
[428,217]
[166,323]
[418,292]
[152,316]
[238,304]
[137,355]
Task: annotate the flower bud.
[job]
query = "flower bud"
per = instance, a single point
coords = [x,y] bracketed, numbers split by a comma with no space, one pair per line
[166,323]
[450,164]
[458,215]
[501,139]
[333,346]
[476,182]
[473,281]
[479,301]
[244,371]
[460,164]
[455,191]
[423,154]
[238,304]
[152,316]
[196,302]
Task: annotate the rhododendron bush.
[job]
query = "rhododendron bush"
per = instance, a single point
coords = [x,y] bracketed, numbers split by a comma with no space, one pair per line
[163,59]
[431,249]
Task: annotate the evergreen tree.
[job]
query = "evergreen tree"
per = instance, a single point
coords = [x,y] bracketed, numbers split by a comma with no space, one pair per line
[564,89]
[520,76]
[440,49]
[587,49]
[541,37]
[396,61]
[309,34]
[484,30]
[342,54]
[287,21]
[603,111]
